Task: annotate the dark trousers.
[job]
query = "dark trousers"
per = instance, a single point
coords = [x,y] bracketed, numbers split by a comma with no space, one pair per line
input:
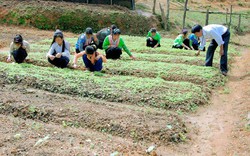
[152,43]
[92,67]
[113,53]
[60,62]
[186,42]
[211,49]
[20,55]
[196,47]
[99,46]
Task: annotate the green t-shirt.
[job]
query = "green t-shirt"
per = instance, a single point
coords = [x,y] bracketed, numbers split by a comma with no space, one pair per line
[156,37]
[179,40]
[121,45]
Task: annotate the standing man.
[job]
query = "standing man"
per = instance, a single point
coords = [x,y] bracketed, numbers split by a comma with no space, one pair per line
[220,36]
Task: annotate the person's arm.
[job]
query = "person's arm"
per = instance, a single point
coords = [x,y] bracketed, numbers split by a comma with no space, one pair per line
[77,56]
[106,43]
[66,50]
[104,59]
[158,38]
[11,50]
[51,51]
[26,47]
[202,45]
[96,39]
[81,42]
[124,47]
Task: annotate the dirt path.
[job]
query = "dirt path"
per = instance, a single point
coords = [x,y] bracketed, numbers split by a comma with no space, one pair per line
[222,125]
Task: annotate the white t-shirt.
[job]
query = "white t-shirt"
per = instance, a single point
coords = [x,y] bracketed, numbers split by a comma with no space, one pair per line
[14,47]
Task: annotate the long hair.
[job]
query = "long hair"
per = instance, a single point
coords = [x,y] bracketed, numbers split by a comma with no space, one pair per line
[54,40]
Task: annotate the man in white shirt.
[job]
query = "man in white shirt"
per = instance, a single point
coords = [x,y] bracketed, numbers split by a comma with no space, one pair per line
[220,36]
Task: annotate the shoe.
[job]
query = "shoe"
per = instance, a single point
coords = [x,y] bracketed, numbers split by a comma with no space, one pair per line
[224,73]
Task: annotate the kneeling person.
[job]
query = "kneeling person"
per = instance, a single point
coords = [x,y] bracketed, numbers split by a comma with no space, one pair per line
[59,54]
[91,58]
[19,48]
[113,45]
[153,39]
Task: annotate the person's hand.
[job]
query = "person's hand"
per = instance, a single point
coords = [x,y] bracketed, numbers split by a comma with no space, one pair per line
[52,57]
[8,59]
[58,55]
[221,52]
[75,66]
[197,53]
[132,57]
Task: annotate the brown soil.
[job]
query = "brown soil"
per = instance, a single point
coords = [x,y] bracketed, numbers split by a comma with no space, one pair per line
[29,114]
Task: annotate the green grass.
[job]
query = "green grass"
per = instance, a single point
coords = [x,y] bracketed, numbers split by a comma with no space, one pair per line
[142,91]
[168,71]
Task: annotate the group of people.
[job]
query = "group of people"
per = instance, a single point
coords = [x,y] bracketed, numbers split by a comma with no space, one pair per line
[109,39]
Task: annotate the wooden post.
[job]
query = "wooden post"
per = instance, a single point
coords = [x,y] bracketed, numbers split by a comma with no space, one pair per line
[230,19]
[184,16]
[226,16]
[87,1]
[111,2]
[207,17]
[238,29]
[163,17]
[167,15]
[154,6]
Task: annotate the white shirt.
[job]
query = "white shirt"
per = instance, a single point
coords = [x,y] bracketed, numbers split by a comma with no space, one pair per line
[14,47]
[212,31]
[58,49]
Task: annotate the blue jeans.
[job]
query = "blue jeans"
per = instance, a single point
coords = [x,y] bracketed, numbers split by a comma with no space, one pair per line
[92,67]
[211,49]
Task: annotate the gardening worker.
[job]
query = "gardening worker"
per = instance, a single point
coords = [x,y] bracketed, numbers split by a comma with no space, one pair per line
[91,58]
[153,38]
[182,41]
[59,54]
[220,36]
[19,48]
[103,33]
[194,42]
[86,39]
[113,45]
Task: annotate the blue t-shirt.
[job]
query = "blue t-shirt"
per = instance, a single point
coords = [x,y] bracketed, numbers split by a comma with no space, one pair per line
[83,42]
[194,39]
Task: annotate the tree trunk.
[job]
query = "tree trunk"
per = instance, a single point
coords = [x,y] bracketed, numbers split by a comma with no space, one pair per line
[154,7]
[184,16]
[163,17]
[167,16]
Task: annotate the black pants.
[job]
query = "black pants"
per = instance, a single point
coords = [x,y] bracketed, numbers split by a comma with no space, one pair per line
[60,62]
[211,49]
[113,53]
[99,46]
[152,43]
[186,42]
[20,55]
[196,47]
